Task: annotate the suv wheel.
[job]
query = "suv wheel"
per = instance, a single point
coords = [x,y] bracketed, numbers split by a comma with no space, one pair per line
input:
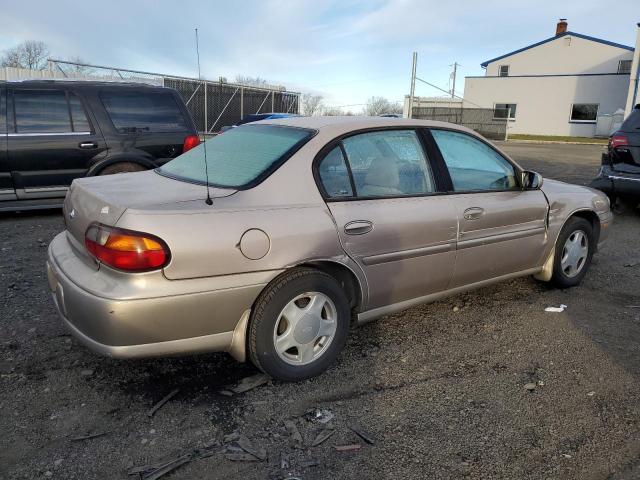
[299,325]
[574,250]
[122,167]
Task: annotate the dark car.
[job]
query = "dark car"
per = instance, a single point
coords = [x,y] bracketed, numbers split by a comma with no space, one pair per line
[619,176]
[54,131]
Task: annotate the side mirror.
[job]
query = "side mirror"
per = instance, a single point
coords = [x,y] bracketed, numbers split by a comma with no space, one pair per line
[531,180]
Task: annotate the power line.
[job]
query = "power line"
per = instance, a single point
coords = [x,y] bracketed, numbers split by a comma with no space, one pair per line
[449,93]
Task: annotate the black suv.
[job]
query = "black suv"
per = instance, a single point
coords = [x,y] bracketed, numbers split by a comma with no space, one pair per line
[619,176]
[54,131]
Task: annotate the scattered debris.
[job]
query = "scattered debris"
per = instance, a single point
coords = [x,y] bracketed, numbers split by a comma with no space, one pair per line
[249,383]
[591,393]
[155,471]
[566,455]
[259,452]
[556,309]
[348,448]
[362,434]
[309,462]
[530,386]
[88,436]
[294,433]
[159,405]
[323,416]
[324,434]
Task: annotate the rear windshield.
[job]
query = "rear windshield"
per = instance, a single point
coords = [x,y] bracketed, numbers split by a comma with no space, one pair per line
[144,111]
[239,158]
[632,123]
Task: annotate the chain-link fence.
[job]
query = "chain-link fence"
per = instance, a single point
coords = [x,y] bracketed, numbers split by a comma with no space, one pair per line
[212,104]
[482,120]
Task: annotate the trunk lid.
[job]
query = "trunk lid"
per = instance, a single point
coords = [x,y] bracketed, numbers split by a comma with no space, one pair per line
[105,199]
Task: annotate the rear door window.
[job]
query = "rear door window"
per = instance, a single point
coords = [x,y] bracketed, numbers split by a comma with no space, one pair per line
[143,111]
[78,115]
[41,111]
[388,163]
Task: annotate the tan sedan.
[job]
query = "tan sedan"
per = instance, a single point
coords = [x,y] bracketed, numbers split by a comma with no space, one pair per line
[307,225]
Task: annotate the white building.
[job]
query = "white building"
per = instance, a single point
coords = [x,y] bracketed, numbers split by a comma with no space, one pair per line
[559,86]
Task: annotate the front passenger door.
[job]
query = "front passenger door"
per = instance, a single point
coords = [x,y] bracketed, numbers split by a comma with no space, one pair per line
[501,227]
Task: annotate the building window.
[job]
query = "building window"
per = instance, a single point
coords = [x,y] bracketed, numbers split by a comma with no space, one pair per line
[501,110]
[584,112]
[504,70]
[624,66]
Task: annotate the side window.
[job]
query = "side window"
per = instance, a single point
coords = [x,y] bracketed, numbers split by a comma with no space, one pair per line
[334,175]
[41,111]
[78,115]
[388,163]
[473,165]
[3,111]
[147,111]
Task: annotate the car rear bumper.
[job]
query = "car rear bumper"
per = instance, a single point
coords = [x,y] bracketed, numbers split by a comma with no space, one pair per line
[612,182]
[189,320]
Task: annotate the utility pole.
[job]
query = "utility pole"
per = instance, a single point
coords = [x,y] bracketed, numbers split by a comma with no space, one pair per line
[413,84]
[453,75]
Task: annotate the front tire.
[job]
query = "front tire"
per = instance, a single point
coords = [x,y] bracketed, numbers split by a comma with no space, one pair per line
[574,250]
[299,325]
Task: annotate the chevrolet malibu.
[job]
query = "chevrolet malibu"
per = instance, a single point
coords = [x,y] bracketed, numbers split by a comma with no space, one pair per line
[270,240]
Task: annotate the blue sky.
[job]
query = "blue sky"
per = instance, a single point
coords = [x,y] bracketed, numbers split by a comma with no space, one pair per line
[346,50]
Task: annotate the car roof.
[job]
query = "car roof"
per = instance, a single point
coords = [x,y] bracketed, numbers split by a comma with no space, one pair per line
[337,125]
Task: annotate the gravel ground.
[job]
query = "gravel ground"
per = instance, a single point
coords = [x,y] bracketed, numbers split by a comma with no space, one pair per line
[441,389]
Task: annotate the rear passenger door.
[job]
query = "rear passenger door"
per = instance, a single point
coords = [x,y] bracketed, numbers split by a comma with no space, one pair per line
[382,193]
[7,191]
[51,140]
[502,228]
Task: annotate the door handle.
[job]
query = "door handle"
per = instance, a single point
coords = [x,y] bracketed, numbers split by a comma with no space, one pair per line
[358,227]
[473,213]
[88,145]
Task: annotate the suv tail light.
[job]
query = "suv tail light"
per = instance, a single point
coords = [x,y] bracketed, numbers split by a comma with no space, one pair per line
[618,141]
[190,142]
[125,249]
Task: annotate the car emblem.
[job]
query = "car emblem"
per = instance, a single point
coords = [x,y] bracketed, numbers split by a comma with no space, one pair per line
[72,213]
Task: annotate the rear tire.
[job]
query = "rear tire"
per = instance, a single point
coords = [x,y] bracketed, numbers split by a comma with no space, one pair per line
[299,325]
[574,250]
[121,167]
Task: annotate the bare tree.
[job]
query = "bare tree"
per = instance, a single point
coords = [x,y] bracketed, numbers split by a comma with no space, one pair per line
[379,106]
[311,104]
[78,68]
[333,111]
[255,81]
[30,54]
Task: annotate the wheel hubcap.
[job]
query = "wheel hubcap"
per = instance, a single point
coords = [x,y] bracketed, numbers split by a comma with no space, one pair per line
[574,253]
[305,328]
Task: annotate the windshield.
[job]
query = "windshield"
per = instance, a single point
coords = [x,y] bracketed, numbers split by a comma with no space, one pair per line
[239,158]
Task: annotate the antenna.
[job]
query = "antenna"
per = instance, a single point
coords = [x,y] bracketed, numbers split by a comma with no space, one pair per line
[208,201]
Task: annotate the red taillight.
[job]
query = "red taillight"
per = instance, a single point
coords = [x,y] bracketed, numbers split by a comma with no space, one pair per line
[190,142]
[618,141]
[125,249]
